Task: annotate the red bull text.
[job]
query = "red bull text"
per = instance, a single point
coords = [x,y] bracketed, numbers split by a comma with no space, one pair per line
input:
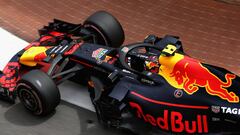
[173,121]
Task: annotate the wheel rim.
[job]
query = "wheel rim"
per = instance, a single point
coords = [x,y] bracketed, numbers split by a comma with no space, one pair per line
[30,100]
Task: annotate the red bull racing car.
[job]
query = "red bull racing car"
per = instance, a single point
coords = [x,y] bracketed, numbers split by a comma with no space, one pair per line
[153,80]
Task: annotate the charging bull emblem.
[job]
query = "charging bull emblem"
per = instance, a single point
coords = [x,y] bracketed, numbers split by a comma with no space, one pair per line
[189,74]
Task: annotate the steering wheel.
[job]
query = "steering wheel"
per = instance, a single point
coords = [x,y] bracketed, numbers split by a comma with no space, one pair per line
[129,51]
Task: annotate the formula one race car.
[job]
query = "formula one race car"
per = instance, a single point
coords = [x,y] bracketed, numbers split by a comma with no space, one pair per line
[154,79]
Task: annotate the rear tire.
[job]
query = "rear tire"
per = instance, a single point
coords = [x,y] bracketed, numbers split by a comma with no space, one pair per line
[106,27]
[38,92]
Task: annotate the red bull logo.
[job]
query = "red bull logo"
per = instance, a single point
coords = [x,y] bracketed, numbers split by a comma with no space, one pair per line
[189,74]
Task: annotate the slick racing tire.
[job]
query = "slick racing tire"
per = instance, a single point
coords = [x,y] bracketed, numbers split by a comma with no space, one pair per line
[38,92]
[106,27]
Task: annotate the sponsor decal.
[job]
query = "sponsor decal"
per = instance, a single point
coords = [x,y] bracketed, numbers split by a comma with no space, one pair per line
[173,121]
[107,59]
[185,73]
[215,109]
[147,81]
[231,121]
[225,110]
[178,93]
[229,110]
[215,119]
[99,61]
[99,53]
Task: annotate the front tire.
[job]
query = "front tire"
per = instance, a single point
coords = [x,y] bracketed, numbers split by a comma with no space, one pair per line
[38,93]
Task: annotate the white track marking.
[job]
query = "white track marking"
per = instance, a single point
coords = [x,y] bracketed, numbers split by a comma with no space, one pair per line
[9,46]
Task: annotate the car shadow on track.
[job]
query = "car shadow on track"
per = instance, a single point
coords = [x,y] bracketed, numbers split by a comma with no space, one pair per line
[89,125]
[67,119]
[18,115]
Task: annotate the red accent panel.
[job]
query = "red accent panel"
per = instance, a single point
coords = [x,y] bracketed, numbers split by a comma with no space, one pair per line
[73,49]
[56,34]
[10,76]
[40,56]
[88,65]
[44,38]
[169,104]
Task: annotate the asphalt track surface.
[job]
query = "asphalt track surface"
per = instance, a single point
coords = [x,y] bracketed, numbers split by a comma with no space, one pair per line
[66,120]
[209,30]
